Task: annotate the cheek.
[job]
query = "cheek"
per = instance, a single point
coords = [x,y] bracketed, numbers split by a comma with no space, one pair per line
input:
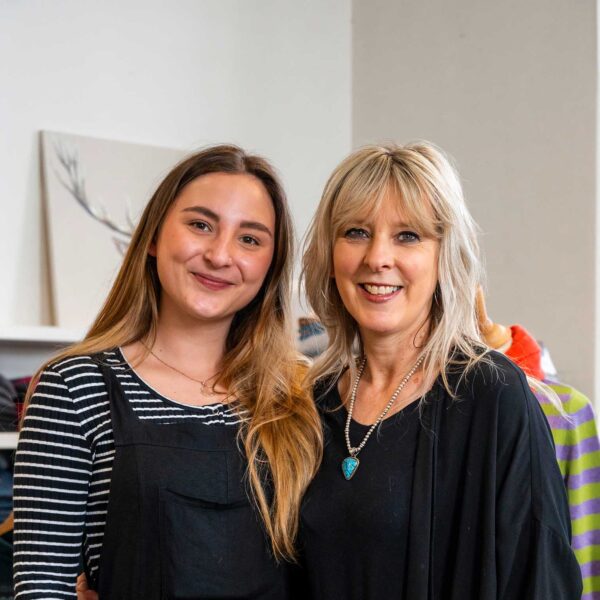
[342,261]
[426,272]
[174,247]
[255,267]
[422,267]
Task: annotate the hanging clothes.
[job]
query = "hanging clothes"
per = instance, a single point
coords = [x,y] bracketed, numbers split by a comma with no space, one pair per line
[578,453]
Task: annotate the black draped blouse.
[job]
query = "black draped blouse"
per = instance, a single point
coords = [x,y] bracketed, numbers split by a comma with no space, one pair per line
[462,501]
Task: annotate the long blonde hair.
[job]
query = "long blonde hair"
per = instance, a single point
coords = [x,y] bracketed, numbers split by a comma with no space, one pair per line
[282,437]
[426,184]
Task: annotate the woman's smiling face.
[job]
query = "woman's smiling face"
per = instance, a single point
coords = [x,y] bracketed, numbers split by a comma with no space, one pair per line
[386,270]
[215,247]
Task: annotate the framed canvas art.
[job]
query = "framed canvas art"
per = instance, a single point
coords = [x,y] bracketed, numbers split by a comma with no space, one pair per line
[94,192]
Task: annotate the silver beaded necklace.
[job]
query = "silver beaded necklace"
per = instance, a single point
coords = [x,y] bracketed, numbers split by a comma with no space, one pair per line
[351,463]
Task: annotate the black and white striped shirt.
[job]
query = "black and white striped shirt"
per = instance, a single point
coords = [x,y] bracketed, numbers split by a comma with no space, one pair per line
[63,468]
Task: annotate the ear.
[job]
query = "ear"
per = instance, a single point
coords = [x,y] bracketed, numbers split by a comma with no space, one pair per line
[152,249]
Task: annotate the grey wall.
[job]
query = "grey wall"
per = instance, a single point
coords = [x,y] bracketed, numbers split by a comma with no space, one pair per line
[509,90]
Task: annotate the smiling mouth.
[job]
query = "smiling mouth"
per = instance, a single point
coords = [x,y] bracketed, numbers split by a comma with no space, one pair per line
[213,283]
[380,290]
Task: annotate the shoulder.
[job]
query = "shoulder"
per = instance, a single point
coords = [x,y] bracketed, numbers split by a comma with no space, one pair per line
[66,365]
[71,393]
[503,408]
[495,369]
[494,397]
[77,374]
[73,365]
[496,380]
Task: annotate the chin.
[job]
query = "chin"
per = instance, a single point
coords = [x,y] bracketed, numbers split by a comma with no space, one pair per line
[208,313]
[380,328]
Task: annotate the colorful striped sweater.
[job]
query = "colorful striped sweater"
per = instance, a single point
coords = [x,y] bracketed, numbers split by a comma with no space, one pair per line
[578,453]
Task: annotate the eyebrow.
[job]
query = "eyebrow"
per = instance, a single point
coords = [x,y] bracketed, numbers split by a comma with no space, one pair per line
[367,220]
[215,217]
[403,224]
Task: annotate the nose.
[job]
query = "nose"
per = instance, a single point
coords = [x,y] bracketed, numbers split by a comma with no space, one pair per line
[379,255]
[218,253]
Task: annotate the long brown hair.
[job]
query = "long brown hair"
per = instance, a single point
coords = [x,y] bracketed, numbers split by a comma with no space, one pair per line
[282,436]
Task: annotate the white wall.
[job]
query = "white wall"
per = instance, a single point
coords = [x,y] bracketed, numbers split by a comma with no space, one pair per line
[273,76]
[509,89]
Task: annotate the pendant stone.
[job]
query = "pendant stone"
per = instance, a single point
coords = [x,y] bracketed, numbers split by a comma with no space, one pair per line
[349,466]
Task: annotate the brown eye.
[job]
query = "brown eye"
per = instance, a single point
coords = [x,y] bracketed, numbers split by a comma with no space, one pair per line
[200,225]
[249,240]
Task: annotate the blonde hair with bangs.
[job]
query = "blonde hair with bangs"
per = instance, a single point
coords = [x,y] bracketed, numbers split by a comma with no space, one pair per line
[428,185]
[282,438]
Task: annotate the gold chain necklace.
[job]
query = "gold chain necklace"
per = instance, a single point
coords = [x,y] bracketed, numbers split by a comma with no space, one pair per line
[207,390]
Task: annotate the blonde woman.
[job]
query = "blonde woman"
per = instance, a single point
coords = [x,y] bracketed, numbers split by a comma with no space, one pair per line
[174,443]
[439,478]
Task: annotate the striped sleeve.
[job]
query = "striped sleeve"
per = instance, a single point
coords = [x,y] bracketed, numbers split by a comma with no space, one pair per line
[578,454]
[52,475]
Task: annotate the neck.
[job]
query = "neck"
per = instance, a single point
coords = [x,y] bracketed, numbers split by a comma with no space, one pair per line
[191,343]
[389,358]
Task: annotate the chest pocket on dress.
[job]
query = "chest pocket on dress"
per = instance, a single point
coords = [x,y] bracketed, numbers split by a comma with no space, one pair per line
[212,549]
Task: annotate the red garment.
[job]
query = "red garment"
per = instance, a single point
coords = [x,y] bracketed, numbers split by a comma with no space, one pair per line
[525,352]
[21,386]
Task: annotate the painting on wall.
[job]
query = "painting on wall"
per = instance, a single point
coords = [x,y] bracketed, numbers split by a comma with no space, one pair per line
[94,193]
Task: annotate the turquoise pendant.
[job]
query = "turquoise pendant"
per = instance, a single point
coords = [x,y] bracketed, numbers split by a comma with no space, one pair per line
[349,466]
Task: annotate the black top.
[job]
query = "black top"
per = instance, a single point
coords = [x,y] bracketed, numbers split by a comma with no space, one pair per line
[359,527]
[486,517]
[67,437]
[180,521]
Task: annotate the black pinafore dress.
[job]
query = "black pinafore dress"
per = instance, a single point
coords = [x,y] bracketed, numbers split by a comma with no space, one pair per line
[180,524]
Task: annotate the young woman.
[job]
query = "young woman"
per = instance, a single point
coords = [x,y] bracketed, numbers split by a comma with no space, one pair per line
[174,443]
[439,478]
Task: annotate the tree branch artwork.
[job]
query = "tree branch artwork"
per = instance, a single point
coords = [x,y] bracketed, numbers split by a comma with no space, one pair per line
[74,182]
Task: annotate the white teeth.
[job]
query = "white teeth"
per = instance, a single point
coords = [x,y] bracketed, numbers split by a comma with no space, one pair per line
[381,290]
